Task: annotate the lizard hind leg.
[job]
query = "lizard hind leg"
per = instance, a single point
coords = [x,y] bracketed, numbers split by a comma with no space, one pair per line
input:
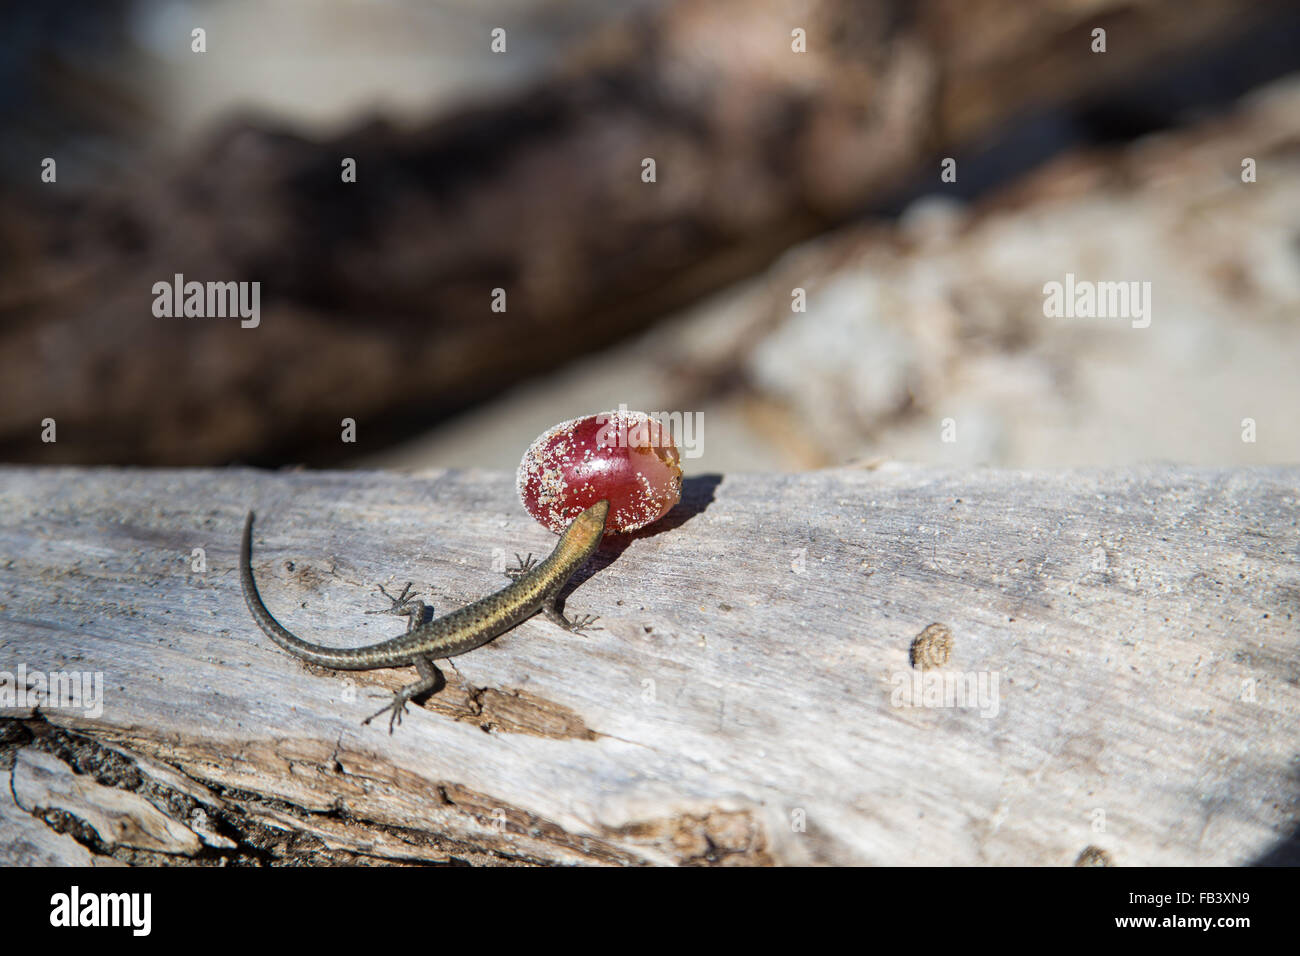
[406,605]
[431,679]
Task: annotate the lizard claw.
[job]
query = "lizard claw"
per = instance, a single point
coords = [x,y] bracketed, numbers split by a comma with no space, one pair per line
[405,605]
[525,565]
[575,626]
[397,706]
[585,623]
[399,605]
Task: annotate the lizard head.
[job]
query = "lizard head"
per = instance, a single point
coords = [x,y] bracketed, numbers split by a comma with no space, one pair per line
[590,524]
[594,517]
[583,535]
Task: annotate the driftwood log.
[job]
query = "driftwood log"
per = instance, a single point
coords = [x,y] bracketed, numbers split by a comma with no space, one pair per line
[1130,638]
[375,296]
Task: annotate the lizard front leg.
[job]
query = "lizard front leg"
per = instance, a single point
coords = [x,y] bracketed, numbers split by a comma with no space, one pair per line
[575,625]
[525,565]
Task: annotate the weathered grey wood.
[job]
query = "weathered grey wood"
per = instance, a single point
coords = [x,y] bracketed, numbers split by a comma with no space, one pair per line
[737,708]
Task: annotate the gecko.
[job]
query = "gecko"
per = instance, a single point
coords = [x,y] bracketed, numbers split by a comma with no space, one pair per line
[535,587]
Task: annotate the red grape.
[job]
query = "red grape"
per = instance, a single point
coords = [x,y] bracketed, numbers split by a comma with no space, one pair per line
[626,457]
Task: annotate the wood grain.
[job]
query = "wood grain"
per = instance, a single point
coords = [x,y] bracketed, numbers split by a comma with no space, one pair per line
[741,706]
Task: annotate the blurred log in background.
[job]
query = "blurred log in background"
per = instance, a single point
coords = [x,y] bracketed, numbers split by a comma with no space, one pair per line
[522,171]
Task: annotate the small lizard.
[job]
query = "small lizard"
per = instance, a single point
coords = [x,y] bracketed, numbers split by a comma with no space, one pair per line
[535,588]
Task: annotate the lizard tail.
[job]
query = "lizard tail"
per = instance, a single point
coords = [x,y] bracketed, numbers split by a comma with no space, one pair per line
[315,653]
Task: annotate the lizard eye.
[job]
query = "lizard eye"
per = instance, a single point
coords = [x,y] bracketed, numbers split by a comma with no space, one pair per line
[626,457]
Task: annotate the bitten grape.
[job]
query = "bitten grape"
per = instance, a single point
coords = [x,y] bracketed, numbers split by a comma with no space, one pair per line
[627,457]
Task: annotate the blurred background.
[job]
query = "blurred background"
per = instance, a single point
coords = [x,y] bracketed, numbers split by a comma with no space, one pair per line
[796,146]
